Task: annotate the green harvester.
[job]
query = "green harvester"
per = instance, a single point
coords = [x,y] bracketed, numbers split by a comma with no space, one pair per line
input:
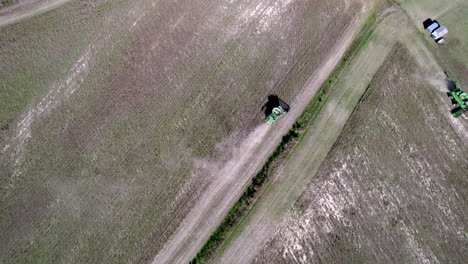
[458,97]
[275,114]
[279,108]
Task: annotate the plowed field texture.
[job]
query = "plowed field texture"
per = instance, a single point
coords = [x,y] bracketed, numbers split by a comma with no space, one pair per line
[392,189]
[115,115]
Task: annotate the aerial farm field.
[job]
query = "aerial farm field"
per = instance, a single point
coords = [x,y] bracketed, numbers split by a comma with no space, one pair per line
[399,162]
[117,117]
[129,129]
[392,190]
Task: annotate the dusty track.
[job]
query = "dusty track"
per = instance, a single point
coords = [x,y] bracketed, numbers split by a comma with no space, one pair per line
[209,211]
[27,9]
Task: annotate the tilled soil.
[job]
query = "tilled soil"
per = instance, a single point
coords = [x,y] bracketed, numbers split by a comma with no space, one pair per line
[230,178]
[208,212]
[108,172]
[393,189]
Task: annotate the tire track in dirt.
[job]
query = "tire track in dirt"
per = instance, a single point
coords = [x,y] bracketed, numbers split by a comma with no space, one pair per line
[231,180]
[437,9]
[58,93]
[20,11]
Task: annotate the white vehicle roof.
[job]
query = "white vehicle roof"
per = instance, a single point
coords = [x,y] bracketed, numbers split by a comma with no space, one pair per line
[439,32]
[432,27]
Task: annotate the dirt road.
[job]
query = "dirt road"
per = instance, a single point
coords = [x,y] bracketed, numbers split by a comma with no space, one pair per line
[26,9]
[209,211]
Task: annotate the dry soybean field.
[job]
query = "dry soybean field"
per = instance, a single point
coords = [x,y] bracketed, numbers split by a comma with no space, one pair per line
[116,116]
[132,131]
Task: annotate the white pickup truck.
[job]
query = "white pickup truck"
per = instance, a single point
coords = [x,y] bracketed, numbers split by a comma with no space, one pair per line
[437,31]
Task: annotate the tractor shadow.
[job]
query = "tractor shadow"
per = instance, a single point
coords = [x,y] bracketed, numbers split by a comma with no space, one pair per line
[450,84]
[274,101]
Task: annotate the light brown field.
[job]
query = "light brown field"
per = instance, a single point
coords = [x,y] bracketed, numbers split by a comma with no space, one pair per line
[117,115]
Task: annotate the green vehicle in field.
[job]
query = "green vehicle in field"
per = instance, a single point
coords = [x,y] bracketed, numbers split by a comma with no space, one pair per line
[275,114]
[275,108]
[458,97]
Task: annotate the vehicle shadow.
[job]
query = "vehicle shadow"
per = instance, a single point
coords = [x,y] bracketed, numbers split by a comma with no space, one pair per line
[450,84]
[272,102]
[427,23]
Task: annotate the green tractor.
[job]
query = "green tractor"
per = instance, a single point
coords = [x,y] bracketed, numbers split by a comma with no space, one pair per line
[275,114]
[278,108]
[458,97]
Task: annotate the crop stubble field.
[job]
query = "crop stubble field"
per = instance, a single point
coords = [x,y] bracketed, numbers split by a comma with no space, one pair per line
[112,113]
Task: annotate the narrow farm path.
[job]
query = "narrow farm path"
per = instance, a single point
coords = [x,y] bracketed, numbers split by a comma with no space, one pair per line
[27,9]
[306,159]
[219,197]
[421,10]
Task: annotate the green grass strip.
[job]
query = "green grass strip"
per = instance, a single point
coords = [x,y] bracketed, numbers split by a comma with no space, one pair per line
[250,194]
